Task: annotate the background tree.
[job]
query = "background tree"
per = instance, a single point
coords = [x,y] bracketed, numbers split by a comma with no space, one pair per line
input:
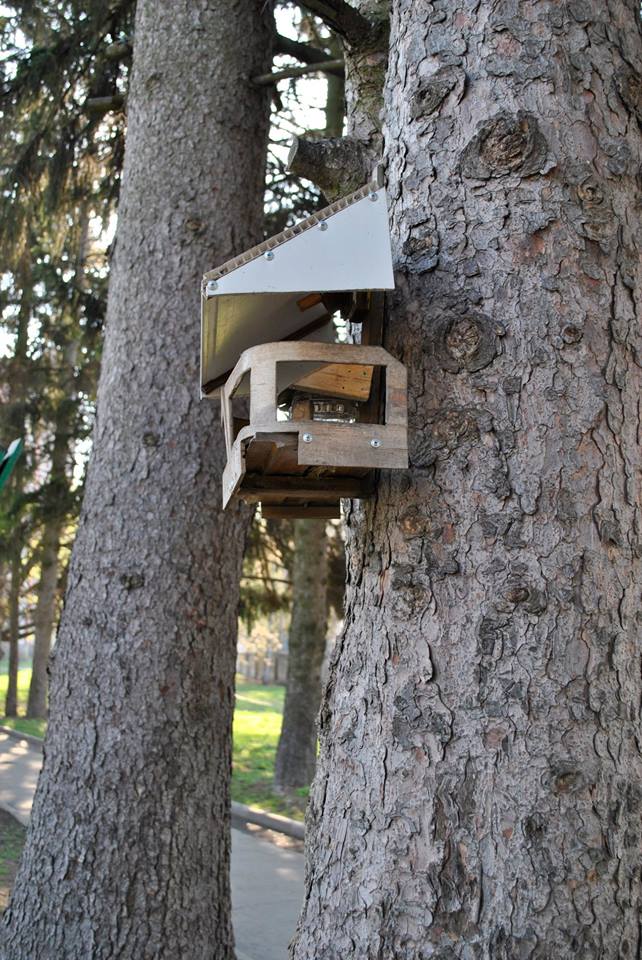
[60,168]
[479,783]
[132,807]
[296,752]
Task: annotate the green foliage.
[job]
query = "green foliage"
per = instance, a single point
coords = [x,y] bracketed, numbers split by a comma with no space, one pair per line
[60,167]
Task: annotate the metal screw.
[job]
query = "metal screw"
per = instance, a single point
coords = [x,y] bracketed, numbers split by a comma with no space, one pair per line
[323,225]
[210,288]
[269,255]
[307,438]
[374,197]
[375,443]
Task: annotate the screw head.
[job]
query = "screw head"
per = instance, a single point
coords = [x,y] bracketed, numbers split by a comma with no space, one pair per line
[210,288]
[375,443]
[269,255]
[374,197]
[323,225]
[307,438]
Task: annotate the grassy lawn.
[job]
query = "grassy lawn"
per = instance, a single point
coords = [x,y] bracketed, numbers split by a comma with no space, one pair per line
[12,836]
[257,723]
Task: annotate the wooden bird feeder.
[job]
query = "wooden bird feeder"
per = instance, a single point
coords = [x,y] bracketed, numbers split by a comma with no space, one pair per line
[308,419]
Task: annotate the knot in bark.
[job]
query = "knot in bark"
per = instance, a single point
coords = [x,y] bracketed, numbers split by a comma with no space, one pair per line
[590,192]
[467,342]
[132,581]
[571,333]
[507,143]
[463,338]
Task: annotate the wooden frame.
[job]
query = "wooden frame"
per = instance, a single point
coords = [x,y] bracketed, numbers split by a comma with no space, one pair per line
[344,453]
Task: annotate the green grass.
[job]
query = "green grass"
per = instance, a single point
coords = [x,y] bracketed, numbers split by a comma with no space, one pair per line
[12,836]
[257,724]
[35,727]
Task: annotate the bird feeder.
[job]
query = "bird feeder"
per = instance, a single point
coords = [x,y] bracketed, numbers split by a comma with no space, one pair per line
[308,418]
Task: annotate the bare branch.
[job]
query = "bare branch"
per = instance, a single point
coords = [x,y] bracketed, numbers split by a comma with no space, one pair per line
[336,166]
[100,105]
[304,52]
[351,25]
[330,66]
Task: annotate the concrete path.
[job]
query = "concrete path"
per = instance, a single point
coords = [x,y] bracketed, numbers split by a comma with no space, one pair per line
[267,879]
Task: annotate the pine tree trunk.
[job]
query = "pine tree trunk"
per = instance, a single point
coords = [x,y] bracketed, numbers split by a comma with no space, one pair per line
[479,786]
[296,753]
[44,617]
[55,511]
[128,850]
[15,425]
[11,700]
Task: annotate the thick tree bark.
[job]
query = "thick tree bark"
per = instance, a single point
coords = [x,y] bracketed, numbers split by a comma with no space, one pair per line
[128,851]
[479,787]
[296,753]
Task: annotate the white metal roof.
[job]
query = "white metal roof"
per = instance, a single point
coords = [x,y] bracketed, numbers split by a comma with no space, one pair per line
[262,296]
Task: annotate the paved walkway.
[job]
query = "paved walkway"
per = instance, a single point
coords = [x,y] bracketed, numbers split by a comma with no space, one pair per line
[267,880]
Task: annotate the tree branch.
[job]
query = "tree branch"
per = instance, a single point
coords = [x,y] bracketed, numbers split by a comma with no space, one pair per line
[304,52]
[337,166]
[100,105]
[351,25]
[330,66]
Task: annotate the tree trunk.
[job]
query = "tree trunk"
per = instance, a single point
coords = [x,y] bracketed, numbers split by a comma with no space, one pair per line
[128,850]
[297,750]
[44,616]
[16,424]
[479,786]
[11,700]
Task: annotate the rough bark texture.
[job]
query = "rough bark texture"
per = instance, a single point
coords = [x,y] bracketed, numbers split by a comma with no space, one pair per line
[128,851]
[297,750]
[479,788]
[45,613]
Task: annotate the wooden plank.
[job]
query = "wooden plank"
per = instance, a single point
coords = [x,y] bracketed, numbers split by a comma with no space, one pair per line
[355,444]
[330,511]
[351,381]
[274,489]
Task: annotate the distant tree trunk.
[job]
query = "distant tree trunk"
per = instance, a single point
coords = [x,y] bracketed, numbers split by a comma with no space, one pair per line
[296,753]
[44,616]
[11,701]
[479,786]
[16,423]
[128,850]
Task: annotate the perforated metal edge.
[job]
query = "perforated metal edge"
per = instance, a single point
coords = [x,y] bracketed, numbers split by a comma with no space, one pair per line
[290,232]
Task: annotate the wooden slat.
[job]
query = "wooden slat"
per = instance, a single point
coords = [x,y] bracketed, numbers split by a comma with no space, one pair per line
[330,511]
[351,381]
